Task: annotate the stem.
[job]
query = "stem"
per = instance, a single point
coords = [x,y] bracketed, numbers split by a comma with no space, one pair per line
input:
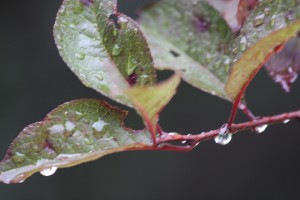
[193,140]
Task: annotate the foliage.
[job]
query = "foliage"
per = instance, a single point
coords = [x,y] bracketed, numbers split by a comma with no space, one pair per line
[216,46]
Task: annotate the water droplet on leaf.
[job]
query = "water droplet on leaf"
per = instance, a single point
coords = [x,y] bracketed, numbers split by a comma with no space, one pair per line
[80,56]
[243,43]
[49,171]
[259,19]
[116,50]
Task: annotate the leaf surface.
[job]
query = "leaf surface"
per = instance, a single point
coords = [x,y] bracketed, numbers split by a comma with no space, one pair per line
[74,133]
[104,48]
[149,101]
[192,38]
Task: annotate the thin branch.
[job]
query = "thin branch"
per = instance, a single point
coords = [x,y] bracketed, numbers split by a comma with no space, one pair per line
[193,140]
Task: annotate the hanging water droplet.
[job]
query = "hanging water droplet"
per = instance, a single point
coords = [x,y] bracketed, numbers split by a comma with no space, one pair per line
[183,142]
[116,50]
[80,56]
[223,139]
[49,171]
[286,121]
[19,179]
[259,19]
[262,128]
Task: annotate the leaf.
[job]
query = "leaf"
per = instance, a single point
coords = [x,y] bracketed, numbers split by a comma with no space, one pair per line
[284,66]
[104,48]
[233,11]
[74,133]
[149,101]
[191,38]
[255,57]
[266,18]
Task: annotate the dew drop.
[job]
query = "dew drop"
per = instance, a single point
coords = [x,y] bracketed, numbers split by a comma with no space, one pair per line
[243,43]
[286,121]
[116,50]
[183,142]
[223,139]
[262,128]
[18,158]
[49,171]
[259,20]
[80,56]
[267,11]
[19,179]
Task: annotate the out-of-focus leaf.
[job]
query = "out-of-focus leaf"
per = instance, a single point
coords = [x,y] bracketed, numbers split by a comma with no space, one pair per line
[233,11]
[267,17]
[104,48]
[149,101]
[255,57]
[192,38]
[75,132]
[284,66]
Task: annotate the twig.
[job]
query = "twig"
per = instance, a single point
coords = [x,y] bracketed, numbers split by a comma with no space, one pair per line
[193,140]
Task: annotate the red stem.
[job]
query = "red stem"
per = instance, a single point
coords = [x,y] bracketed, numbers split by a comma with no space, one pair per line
[193,140]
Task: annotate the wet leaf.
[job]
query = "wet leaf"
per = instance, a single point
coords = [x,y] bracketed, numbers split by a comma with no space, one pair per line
[233,11]
[266,18]
[104,48]
[150,101]
[255,57]
[192,38]
[74,133]
[284,66]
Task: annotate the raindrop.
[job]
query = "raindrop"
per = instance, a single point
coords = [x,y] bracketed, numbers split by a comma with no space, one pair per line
[243,43]
[18,158]
[116,50]
[223,139]
[286,121]
[272,22]
[259,20]
[80,56]
[19,179]
[267,11]
[49,171]
[262,128]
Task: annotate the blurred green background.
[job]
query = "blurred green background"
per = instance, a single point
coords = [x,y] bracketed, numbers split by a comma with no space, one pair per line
[34,80]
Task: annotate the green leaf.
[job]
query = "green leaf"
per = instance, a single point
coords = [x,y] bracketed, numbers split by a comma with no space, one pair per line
[108,56]
[149,101]
[191,38]
[74,133]
[255,57]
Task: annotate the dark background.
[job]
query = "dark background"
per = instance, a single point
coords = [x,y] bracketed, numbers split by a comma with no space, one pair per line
[34,80]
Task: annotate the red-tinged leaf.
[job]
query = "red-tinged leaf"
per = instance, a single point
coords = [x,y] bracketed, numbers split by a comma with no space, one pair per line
[76,132]
[255,57]
[149,101]
[284,67]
